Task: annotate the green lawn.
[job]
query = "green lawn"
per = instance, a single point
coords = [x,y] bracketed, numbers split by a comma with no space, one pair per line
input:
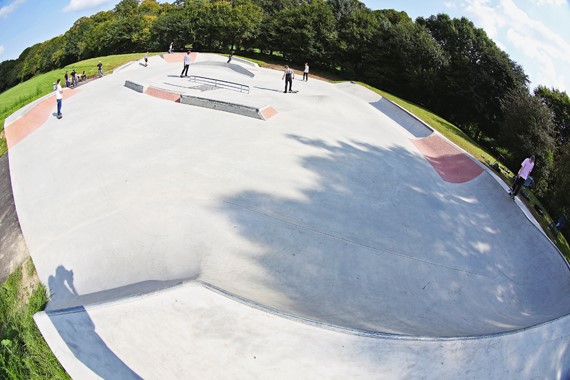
[24,354]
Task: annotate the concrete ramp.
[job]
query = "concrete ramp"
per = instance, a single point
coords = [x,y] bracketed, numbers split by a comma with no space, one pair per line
[231,66]
[325,227]
[217,336]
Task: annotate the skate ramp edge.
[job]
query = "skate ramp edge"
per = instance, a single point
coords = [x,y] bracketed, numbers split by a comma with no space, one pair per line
[410,122]
[194,316]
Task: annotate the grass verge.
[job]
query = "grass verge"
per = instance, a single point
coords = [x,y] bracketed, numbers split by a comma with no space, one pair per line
[24,354]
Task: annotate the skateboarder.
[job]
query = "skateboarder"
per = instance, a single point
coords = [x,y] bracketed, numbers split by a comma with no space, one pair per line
[59,98]
[526,167]
[186,65]
[288,75]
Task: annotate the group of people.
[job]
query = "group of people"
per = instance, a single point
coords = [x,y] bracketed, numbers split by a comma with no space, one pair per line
[289,75]
[73,79]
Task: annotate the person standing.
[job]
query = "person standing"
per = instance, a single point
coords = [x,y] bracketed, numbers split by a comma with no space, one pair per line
[59,98]
[146,59]
[186,65]
[288,75]
[526,167]
[66,76]
[306,72]
[100,69]
[170,48]
[74,77]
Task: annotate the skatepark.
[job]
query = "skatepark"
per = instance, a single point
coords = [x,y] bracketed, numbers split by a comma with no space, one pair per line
[213,226]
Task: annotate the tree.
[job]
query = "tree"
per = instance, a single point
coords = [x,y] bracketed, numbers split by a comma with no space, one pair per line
[559,103]
[356,40]
[305,32]
[558,196]
[478,76]
[528,129]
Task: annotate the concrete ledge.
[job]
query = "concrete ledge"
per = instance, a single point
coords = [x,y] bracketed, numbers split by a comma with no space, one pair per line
[134,86]
[162,94]
[219,105]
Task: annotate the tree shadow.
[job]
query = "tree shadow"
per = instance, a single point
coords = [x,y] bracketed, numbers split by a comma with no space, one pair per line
[378,242]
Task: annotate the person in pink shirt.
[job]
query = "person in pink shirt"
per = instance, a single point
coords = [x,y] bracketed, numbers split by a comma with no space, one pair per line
[526,167]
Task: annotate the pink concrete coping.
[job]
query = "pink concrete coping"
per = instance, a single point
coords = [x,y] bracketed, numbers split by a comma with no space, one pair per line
[178,57]
[268,112]
[33,119]
[162,94]
[451,164]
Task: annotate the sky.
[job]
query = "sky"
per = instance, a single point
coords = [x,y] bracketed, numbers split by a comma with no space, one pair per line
[535,33]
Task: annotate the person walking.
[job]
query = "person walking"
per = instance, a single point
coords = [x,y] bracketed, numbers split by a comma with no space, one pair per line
[170,48]
[186,65]
[59,98]
[523,173]
[146,59]
[288,75]
[100,69]
[230,57]
[306,72]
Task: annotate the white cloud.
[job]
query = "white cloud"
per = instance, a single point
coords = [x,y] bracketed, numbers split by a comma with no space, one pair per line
[546,53]
[79,5]
[7,9]
[1,50]
[548,2]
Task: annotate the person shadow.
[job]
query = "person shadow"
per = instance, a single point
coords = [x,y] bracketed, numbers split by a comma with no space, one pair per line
[78,331]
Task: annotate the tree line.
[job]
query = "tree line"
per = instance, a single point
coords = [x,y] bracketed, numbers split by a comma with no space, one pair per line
[444,64]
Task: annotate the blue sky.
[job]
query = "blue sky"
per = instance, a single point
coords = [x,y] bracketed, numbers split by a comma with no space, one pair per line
[535,33]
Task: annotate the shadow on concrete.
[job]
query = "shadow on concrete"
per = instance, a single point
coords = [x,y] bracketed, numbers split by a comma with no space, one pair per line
[79,333]
[63,295]
[405,120]
[381,244]
[267,89]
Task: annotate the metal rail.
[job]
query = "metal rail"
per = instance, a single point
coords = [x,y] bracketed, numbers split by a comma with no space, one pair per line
[220,83]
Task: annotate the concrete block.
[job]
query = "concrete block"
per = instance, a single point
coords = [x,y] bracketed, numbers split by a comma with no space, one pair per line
[134,86]
[219,105]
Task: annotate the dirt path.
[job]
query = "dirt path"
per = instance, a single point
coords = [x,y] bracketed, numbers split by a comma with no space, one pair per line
[13,250]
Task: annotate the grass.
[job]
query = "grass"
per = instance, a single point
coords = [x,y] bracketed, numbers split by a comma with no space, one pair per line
[24,354]
[15,98]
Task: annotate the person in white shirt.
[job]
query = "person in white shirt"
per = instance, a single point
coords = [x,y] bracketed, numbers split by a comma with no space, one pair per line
[306,73]
[526,167]
[59,98]
[186,65]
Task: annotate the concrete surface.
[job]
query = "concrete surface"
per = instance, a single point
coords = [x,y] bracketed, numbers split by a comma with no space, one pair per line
[326,219]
